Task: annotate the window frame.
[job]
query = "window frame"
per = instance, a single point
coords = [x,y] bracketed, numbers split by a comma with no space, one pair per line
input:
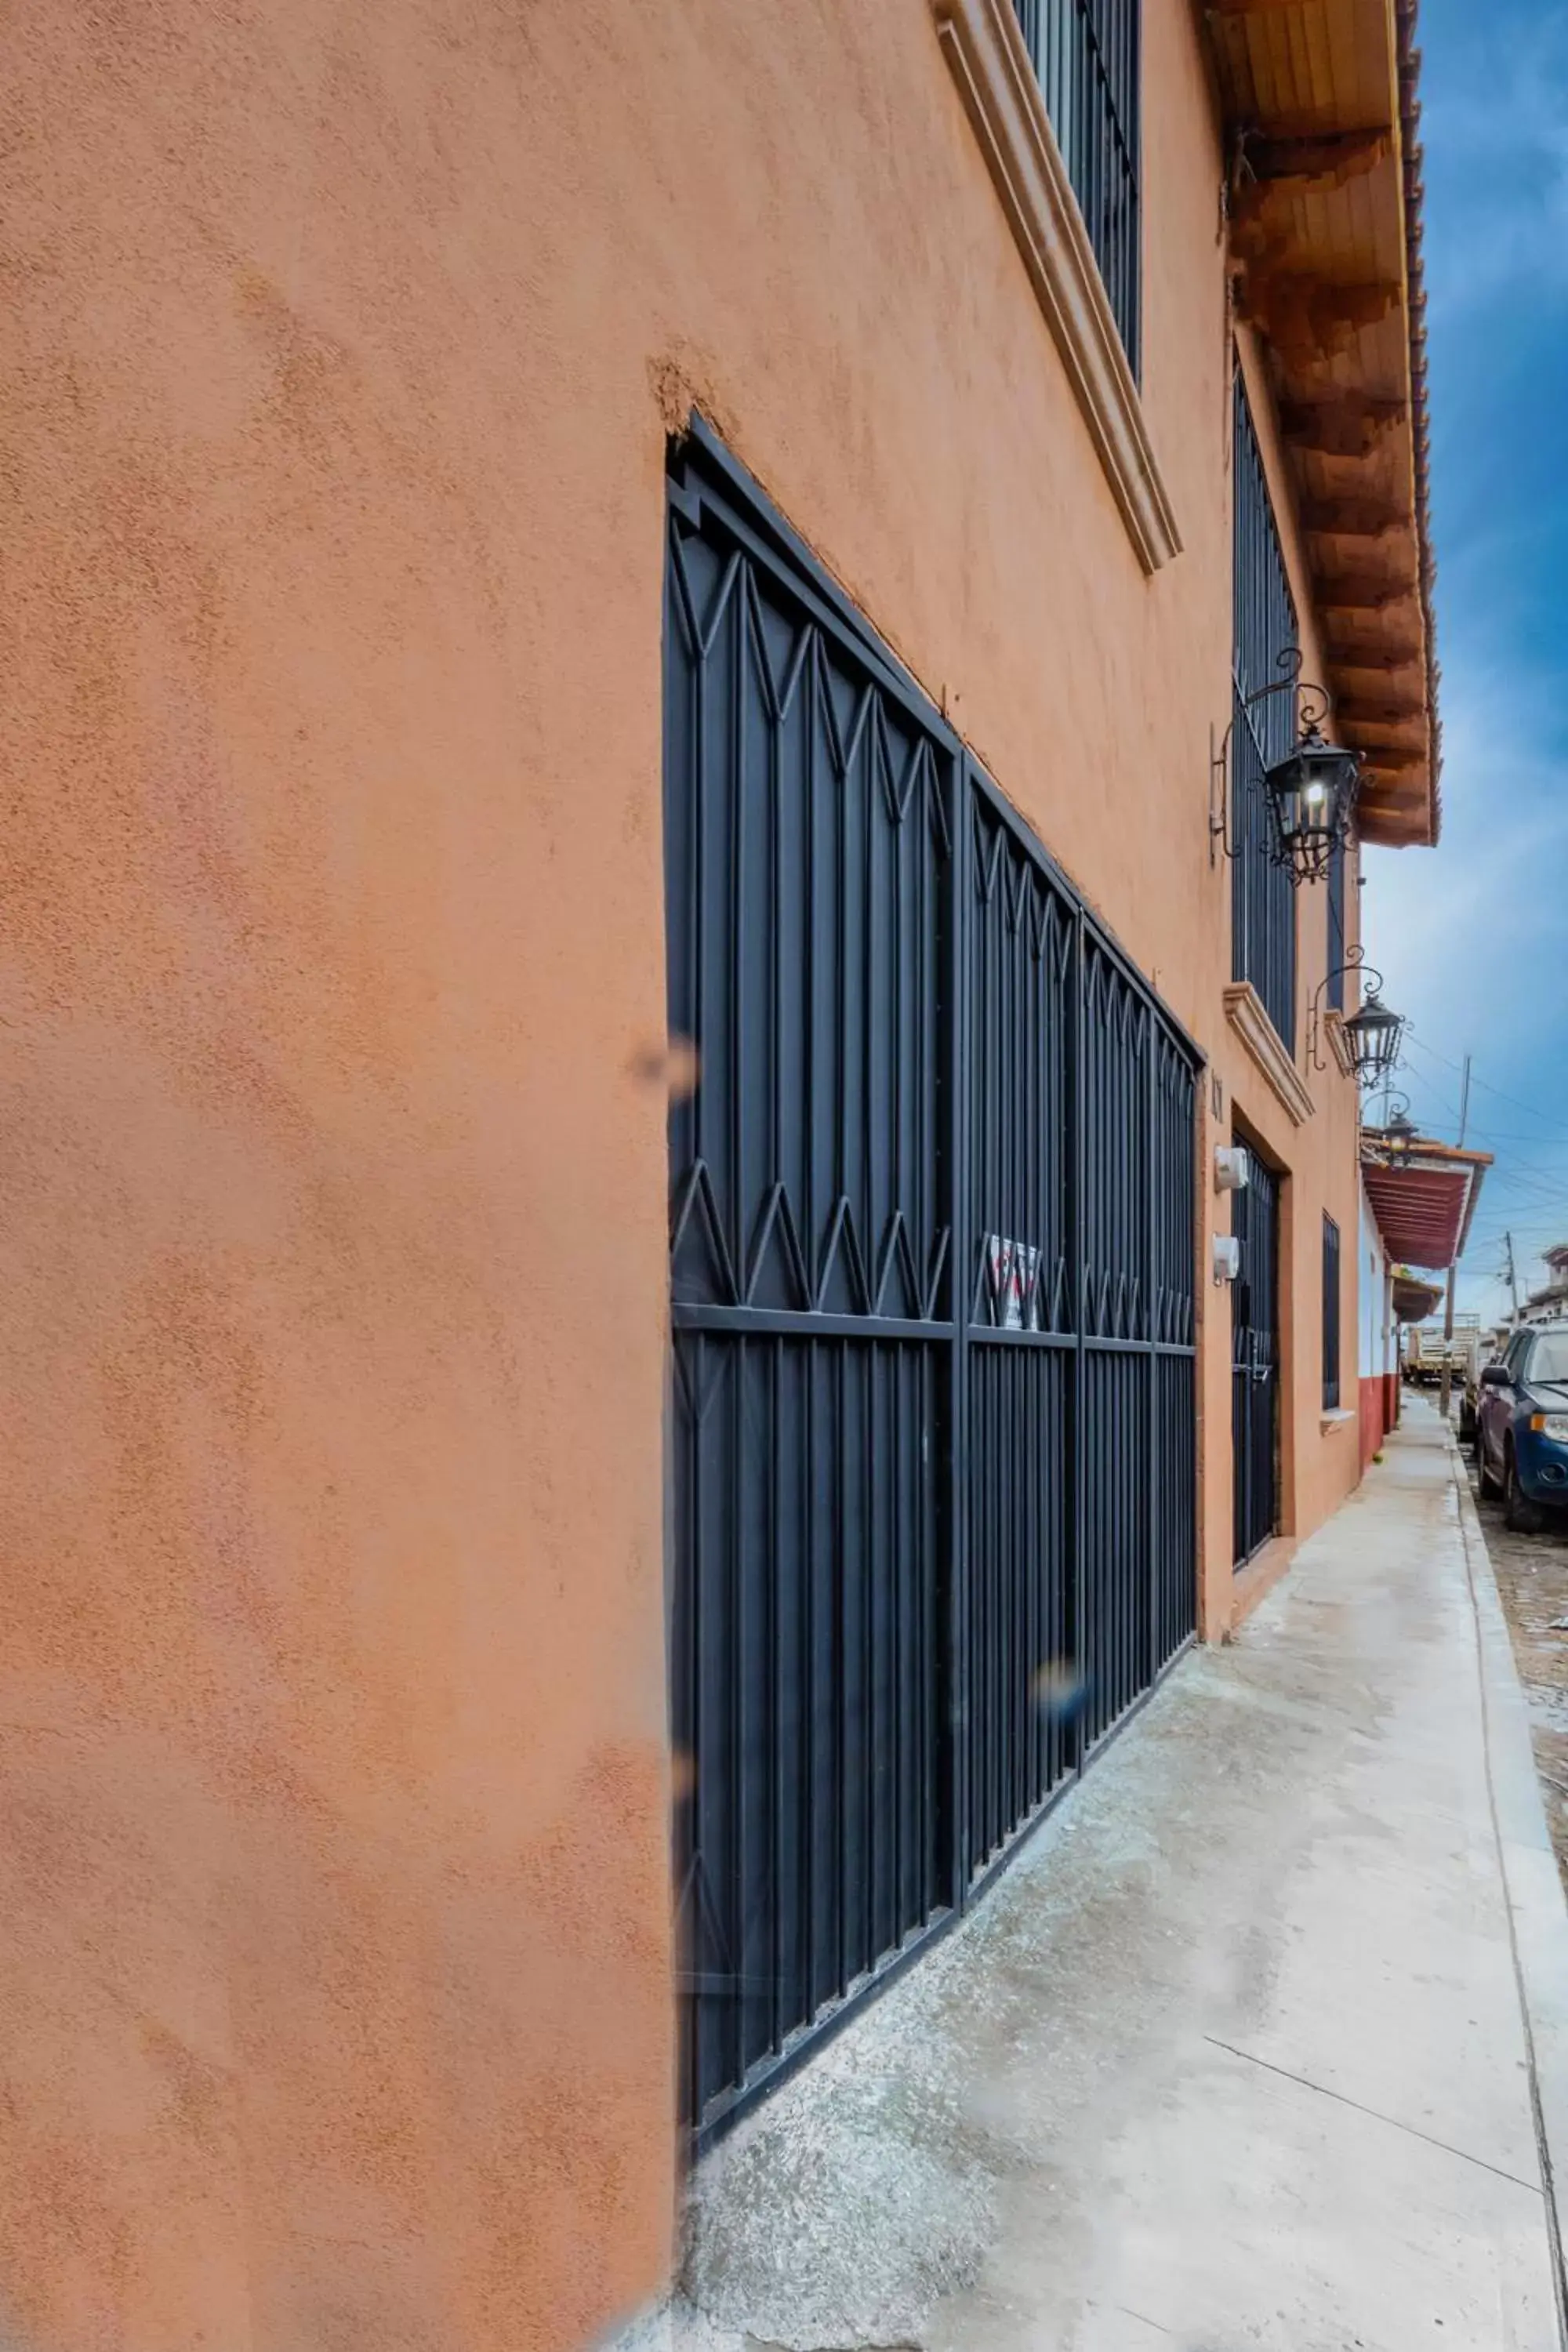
[1081,50]
[983,44]
[1265,937]
[1334,1258]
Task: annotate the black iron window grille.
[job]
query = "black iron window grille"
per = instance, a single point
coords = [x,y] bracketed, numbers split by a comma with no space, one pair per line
[1330,1315]
[1336,989]
[932,1272]
[1085,56]
[1263,904]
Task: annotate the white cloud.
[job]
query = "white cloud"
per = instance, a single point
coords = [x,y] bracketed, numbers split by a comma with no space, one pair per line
[1503,139]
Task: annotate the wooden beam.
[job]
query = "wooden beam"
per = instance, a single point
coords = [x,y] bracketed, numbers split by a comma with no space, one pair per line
[1387,827]
[1308,318]
[1393,765]
[1340,424]
[1371,815]
[1345,154]
[1389,658]
[1353,518]
[1365,593]
[1311,165]
[1410,784]
[1358,710]
[1384,658]
[1414,794]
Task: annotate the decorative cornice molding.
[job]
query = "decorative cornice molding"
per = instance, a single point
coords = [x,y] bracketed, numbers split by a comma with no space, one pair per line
[985,49]
[1244,1010]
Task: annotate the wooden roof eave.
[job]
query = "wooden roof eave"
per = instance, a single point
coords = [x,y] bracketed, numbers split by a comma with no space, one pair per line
[1318,99]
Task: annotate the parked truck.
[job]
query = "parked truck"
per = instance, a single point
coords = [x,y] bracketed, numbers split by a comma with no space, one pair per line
[1473,1344]
[1426,1351]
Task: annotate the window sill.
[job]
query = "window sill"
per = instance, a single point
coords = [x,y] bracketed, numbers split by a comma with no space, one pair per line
[985,50]
[1334,1417]
[1244,1010]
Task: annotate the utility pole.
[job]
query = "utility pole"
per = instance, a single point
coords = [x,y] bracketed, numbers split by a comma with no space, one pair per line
[1512,1280]
[1445,1392]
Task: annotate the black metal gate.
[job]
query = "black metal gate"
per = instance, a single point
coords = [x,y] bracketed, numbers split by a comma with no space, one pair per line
[1254,1360]
[931,1232]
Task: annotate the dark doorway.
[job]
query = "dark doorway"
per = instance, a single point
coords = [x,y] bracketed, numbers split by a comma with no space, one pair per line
[1255,1358]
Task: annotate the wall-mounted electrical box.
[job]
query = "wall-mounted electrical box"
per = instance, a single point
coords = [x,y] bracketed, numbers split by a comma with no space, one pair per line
[1226,1257]
[1230,1167]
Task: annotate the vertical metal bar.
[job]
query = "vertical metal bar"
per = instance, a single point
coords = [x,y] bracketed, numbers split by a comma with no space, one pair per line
[839,1552]
[960,1056]
[775,1755]
[1077,1626]
[928,1219]
[735,1207]
[775,1171]
[900,1549]
[841,1677]
[807,1939]
[689,1723]
[808,1217]
[733,1210]
[1153,1177]
[872,739]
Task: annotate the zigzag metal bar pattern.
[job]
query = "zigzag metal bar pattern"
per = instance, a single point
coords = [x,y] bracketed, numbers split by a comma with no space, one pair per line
[810,979]
[1118,1026]
[1022,939]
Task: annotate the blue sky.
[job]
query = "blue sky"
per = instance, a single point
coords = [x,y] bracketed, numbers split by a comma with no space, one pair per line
[1473,940]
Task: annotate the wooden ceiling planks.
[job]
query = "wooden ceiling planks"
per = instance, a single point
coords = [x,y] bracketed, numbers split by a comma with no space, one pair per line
[1319,100]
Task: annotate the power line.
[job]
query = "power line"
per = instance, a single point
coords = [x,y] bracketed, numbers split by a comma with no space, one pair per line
[1493,1135]
[1529,1109]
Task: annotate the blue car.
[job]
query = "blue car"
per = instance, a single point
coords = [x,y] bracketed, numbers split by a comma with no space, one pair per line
[1522,1427]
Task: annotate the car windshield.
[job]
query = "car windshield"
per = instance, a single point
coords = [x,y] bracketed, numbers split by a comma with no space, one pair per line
[1549,1358]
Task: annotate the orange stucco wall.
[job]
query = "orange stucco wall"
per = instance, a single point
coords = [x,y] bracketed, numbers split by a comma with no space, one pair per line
[342,345]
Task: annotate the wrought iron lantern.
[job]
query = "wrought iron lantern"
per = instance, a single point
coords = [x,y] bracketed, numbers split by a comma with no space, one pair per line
[1311,793]
[1399,1129]
[1373,1036]
[1370,1039]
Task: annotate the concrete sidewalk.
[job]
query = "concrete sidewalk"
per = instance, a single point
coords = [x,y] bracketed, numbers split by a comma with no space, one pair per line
[1260,2042]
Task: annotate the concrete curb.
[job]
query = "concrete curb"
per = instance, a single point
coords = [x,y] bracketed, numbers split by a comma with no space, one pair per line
[1538,1911]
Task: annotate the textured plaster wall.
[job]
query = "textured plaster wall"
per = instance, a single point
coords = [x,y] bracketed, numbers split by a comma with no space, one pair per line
[341,343]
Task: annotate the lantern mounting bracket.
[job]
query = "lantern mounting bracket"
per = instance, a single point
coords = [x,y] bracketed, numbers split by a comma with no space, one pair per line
[1355,961]
[1305,856]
